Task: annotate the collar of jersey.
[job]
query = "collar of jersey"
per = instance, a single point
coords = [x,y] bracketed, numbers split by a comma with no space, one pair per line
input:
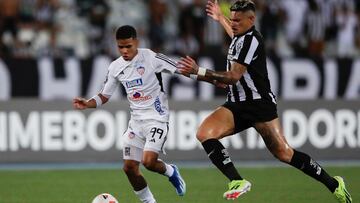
[126,64]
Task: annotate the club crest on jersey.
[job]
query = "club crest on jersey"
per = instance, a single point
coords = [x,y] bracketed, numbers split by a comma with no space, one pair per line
[134,83]
[239,45]
[140,70]
[131,135]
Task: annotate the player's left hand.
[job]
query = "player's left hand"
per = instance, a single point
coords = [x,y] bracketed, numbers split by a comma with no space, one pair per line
[187,66]
[213,10]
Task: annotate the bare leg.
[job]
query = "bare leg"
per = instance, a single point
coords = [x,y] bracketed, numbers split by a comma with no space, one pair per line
[217,125]
[138,182]
[275,141]
[134,175]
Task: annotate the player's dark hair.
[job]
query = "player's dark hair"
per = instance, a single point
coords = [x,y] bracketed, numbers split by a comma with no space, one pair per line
[243,5]
[125,32]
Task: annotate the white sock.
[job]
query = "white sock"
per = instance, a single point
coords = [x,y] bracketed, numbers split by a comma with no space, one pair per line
[169,170]
[145,195]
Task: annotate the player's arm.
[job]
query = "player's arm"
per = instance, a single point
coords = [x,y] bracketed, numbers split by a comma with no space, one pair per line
[165,64]
[95,101]
[188,66]
[213,10]
[200,78]
[101,98]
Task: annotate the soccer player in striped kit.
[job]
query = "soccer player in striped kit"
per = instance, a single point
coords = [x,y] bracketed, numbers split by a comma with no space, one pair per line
[250,103]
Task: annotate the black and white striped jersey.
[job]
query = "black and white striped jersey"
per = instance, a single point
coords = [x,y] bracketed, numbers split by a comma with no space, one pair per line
[248,49]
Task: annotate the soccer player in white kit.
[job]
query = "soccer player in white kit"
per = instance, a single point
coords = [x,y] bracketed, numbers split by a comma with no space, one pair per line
[139,71]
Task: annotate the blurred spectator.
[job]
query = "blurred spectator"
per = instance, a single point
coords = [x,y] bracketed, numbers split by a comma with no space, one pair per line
[32,28]
[215,37]
[157,33]
[357,11]
[295,13]
[186,44]
[271,17]
[347,22]
[27,12]
[9,17]
[315,28]
[192,19]
[127,12]
[96,12]
[46,27]
[71,39]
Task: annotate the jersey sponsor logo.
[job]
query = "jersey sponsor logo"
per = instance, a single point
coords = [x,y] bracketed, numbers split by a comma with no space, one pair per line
[157,105]
[140,70]
[134,83]
[138,96]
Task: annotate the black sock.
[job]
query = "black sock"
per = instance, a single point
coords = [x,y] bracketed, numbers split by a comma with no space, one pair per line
[221,159]
[309,166]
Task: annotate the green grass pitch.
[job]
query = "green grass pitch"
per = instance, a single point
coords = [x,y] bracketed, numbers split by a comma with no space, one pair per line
[204,185]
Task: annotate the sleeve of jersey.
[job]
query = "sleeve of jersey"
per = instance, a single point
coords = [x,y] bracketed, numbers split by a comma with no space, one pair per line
[245,51]
[164,63]
[110,85]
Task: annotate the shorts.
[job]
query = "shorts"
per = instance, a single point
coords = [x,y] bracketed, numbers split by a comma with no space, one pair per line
[247,113]
[144,135]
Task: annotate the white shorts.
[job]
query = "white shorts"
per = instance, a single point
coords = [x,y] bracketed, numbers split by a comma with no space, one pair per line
[144,135]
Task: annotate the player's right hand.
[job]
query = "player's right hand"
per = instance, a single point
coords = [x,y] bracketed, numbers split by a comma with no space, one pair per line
[79,103]
[213,10]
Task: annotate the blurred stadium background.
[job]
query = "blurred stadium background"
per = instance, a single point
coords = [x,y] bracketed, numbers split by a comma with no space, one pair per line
[54,50]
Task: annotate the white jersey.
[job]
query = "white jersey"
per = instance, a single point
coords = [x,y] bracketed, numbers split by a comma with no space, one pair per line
[141,78]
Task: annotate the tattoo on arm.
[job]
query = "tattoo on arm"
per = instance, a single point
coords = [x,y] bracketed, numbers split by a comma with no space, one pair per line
[227,77]
[224,77]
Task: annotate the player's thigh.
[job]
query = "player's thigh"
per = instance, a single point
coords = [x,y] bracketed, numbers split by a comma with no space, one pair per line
[217,125]
[155,133]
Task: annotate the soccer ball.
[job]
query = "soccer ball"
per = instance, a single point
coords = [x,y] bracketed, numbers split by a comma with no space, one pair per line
[105,198]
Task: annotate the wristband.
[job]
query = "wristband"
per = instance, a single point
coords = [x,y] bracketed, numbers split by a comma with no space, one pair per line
[193,76]
[201,71]
[97,100]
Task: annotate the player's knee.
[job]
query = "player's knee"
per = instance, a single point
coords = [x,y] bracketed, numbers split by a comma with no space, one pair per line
[130,169]
[201,136]
[205,134]
[282,155]
[149,164]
